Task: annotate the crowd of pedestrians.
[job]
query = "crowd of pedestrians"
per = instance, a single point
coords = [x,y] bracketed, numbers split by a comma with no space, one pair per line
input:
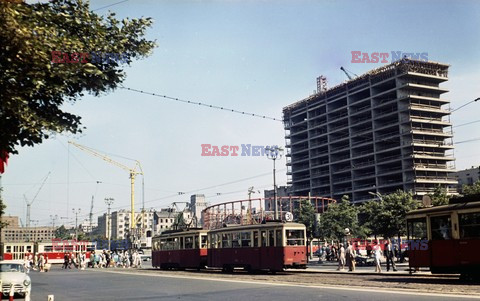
[348,255]
[39,262]
[104,259]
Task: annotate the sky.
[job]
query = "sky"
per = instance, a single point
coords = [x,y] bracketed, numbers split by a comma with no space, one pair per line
[252,56]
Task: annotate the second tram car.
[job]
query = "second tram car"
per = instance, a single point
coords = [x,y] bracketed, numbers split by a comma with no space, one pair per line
[272,246]
[445,238]
[180,249]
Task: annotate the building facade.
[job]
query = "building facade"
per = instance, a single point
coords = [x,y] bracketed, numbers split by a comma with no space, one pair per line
[14,233]
[467,177]
[197,205]
[385,130]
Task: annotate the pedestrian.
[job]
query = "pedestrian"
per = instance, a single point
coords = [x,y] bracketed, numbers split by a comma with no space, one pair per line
[341,258]
[41,263]
[66,260]
[350,257]
[377,253]
[389,253]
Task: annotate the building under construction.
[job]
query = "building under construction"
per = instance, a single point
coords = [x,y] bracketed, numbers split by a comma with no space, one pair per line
[385,130]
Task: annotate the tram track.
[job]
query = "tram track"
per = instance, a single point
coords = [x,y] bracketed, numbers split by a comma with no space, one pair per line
[418,283]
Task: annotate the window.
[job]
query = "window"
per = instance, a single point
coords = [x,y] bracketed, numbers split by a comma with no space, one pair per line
[295,237]
[189,242]
[255,238]
[469,225]
[441,227]
[236,240]
[226,238]
[271,238]
[264,239]
[417,229]
[203,238]
[279,237]
[246,239]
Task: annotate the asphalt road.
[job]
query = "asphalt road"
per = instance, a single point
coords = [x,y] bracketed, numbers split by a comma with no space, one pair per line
[128,284]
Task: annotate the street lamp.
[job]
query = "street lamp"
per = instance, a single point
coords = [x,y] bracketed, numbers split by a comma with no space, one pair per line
[108,201]
[76,212]
[274,153]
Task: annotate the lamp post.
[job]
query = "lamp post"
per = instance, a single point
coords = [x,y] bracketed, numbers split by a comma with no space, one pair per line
[108,201]
[76,212]
[274,153]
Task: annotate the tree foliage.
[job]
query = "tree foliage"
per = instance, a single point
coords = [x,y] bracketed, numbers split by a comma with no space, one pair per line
[33,89]
[338,217]
[439,196]
[62,233]
[305,214]
[2,210]
[387,216]
[473,189]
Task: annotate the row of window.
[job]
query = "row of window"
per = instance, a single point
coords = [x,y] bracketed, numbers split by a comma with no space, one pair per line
[240,239]
[441,226]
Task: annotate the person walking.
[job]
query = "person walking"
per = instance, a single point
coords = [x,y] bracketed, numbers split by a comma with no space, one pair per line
[389,253]
[41,263]
[350,257]
[341,258]
[377,253]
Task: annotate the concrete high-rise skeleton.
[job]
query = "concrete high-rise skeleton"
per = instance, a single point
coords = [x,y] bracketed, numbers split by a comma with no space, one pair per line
[385,130]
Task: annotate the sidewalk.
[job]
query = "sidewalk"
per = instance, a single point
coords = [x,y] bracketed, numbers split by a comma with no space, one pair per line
[331,267]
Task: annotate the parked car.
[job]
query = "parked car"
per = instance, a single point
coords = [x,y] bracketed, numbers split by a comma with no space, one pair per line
[13,272]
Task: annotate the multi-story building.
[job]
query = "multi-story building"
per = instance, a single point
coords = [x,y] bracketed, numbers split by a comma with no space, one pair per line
[120,223]
[197,204]
[12,232]
[467,177]
[386,130]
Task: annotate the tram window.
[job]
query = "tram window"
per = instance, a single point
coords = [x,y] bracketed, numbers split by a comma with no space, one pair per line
[8,249]
[204,241]
[264,238]
[213,241]
[469,225]
[255,238]
[295,237]
[441,227]
[271,238]
[226,238]
[189,242]
[47,248]
[279,237]
[236,240]
[246,236]
[195,242]
[417,229]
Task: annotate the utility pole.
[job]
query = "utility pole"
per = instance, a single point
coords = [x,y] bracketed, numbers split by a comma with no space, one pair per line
[76,212]
[54,218]
[274,153]
[108,201]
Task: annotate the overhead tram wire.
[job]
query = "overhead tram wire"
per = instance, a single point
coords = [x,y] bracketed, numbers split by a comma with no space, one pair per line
[109,5]
[201,104]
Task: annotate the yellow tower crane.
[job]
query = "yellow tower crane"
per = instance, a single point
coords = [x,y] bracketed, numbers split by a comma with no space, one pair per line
[133,173]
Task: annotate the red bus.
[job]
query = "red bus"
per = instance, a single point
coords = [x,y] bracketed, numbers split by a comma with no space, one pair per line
[445,239]
[182,249]
[271,246]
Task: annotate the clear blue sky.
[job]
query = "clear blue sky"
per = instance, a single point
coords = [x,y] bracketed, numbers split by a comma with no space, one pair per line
[254,56]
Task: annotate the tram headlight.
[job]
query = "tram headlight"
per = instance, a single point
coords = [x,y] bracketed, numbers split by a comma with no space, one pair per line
[26,282]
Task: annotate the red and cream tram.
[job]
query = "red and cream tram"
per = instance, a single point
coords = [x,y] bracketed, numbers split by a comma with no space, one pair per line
[445,238]
[180,249]
[54,251]
[271,246]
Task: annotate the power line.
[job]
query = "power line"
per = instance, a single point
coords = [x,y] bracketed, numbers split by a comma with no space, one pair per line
[471,122]
[201,104]
[109,5]
[469,140]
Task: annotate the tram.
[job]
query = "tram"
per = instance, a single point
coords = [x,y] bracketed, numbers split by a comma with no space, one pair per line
[445,239]
[271,246]
[54,251]
[180,249]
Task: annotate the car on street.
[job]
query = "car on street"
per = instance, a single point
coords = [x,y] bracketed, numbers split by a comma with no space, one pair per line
[13,273]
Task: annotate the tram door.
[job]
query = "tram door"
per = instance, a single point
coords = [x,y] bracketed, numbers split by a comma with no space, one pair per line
[442,243]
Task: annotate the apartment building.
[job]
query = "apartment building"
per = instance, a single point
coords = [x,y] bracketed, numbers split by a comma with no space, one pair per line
[12,232]
[385,130]
[467,177]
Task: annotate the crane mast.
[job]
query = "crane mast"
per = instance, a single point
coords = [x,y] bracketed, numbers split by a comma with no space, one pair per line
[133,172]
